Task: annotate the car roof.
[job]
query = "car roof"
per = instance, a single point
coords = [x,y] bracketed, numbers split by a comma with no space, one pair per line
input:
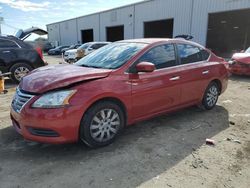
[100,42]
[159,40]
[8,37]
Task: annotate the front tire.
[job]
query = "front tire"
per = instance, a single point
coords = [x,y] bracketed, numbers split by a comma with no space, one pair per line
[211,96]
[101,124]
[19,70]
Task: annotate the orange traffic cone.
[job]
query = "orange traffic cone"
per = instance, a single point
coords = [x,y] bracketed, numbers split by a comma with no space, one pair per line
[2,88]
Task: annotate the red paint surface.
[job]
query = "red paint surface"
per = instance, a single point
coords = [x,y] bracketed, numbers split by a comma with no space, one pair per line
[144,95]
[241,65]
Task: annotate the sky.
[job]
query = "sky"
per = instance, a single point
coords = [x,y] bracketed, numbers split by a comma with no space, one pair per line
[22,14]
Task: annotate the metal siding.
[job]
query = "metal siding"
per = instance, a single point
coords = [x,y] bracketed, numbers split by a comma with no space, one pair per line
[179,10]
[88,22]
[190,17]
[203,7]
[68,32]
[53,33]
[122,18]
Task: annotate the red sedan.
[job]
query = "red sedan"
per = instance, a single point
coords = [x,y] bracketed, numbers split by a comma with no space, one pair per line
[240,63]
[117,85]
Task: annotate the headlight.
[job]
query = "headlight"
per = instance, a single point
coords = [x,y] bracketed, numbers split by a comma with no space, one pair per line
[55,99]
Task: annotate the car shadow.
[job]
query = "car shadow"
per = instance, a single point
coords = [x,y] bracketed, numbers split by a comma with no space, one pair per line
[142,152]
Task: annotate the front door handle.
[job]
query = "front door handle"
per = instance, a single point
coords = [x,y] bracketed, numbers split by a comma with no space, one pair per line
[205,72]
[175,78]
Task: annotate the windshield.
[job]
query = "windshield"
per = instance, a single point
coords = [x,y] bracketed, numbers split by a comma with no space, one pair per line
[111,56]
[84,46]
[19,33]
[248,51]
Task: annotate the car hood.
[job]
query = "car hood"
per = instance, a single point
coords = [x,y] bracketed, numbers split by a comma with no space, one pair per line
[242,57]
[72,51]
[53,49]
[53,77]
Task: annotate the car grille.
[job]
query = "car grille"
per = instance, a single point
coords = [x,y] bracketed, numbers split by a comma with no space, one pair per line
[20,99]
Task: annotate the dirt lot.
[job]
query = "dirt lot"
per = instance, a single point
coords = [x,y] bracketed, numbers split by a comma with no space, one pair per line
[167,151]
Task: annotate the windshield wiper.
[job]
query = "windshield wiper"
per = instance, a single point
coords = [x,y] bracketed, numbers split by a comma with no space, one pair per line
[91,66]
[85,66]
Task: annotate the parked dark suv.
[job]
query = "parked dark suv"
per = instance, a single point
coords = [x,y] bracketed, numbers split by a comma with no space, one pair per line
[18,57]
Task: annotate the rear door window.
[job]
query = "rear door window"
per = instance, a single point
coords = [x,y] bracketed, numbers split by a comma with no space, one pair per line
[189,53]
[7,44]
[162,56]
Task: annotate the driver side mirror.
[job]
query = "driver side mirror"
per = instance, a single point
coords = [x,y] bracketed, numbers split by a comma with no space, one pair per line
[145,67]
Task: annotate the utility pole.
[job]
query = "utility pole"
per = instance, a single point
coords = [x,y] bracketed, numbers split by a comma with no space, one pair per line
[1,21]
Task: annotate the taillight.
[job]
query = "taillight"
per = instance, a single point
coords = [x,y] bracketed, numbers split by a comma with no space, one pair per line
[40,52]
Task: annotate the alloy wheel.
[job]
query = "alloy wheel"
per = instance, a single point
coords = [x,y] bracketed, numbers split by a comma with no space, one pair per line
[105,125]
[212,96]
[21,72]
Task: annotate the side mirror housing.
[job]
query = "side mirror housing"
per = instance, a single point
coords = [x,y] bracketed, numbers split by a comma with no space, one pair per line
[145,67]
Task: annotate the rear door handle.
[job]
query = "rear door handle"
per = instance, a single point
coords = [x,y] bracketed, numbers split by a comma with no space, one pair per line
[6,51]
[175,78]
[205,72]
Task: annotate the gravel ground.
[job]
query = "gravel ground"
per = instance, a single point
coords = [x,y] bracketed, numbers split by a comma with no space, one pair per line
[167,151]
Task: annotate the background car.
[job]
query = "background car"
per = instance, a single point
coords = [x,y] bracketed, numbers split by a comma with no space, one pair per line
[74,46]
[240,63]
[47,46]
[57,50]
[117,85]
[19,57]
[74,55]
[88,48]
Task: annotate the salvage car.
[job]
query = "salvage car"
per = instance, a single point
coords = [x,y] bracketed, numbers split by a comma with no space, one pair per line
[57,50]
[17,56]
[74,46]
[71,56]
[120,84]
[88,48]
[240,63]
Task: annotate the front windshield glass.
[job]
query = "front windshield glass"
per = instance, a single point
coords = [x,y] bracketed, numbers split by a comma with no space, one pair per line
[111,56]
[248,51]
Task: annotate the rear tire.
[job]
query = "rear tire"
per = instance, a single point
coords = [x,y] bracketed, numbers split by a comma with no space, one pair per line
[211,96]
[101,124]
[19,70]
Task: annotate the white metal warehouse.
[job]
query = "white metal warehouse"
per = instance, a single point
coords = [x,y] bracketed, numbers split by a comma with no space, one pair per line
[222,25]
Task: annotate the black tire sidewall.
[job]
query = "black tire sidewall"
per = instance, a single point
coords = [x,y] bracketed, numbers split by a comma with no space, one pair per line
[85,135]
[204,101]
[17,65]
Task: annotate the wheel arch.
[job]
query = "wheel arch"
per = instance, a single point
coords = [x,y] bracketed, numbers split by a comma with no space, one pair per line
[114,100]
[24,61]
[218,82]
[106,99]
